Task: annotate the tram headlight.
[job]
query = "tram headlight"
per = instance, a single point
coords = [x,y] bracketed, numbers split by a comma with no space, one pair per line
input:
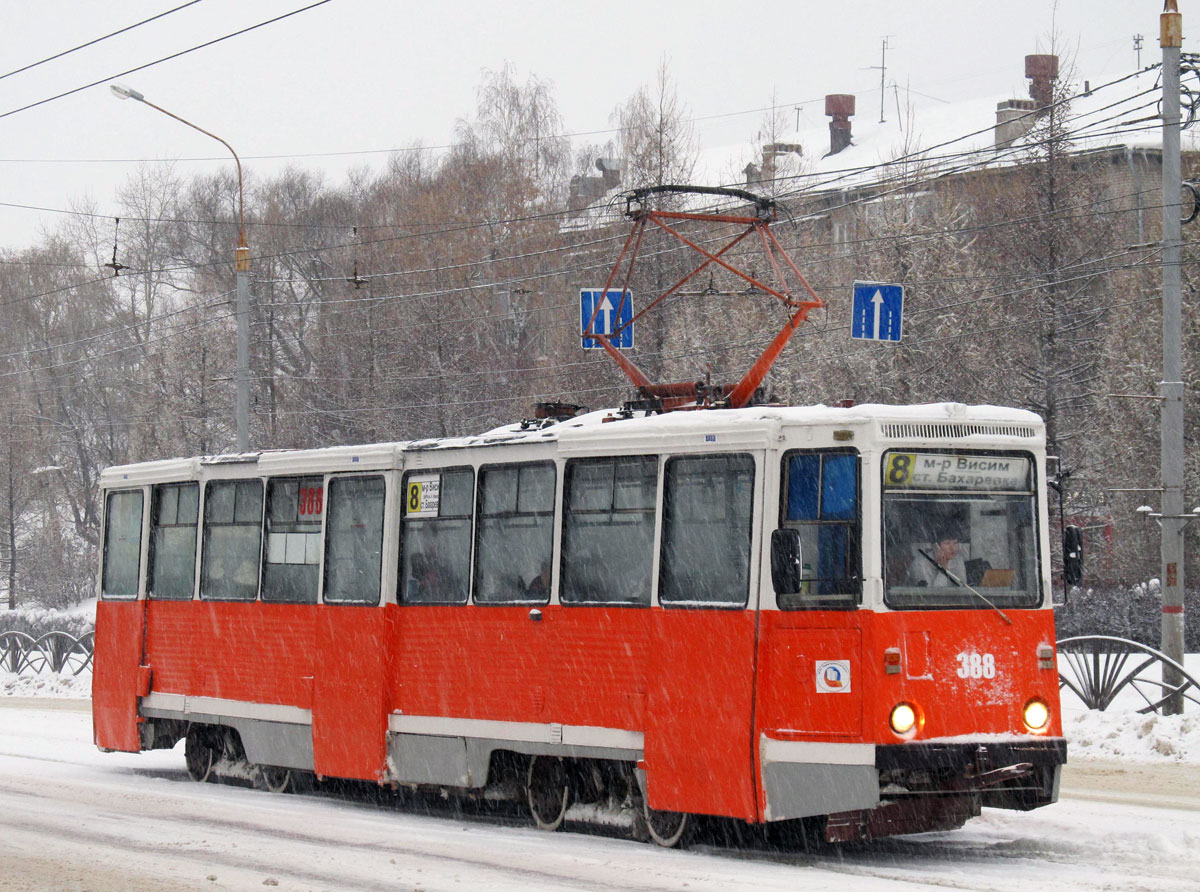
[1036,714]
[903,718]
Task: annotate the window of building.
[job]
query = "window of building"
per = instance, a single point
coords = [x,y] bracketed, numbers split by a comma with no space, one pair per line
[292,558]
[707,505]
[122,544]
[821,501]
[354,540]
[173,520]
[435,559]
[232,540]
[515,536]
[608,530]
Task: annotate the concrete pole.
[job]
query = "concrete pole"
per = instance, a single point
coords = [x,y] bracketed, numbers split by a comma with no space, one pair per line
[243,348]
[1172,383]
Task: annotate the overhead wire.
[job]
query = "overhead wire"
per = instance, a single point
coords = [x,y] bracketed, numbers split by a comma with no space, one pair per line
[97,40]
[168,58]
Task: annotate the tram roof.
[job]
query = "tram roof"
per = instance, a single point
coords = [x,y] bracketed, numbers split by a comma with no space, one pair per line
[591,428]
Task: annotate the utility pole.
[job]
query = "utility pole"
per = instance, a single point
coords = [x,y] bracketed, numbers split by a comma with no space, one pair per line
[242,262]
[883,73]
[1172,520]
[1137,48]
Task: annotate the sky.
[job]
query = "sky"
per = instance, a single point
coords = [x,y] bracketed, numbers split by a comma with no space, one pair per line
[336,87]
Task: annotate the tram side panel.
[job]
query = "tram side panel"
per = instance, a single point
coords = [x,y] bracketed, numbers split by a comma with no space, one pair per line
[248,653]
[597,666]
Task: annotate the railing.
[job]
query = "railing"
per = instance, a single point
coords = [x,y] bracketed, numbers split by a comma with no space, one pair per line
[52,652]
[1099,669]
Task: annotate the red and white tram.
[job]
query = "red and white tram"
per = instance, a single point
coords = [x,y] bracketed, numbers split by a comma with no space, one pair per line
[762,614]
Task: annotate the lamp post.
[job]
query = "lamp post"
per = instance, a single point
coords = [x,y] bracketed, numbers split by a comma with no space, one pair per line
[242,264]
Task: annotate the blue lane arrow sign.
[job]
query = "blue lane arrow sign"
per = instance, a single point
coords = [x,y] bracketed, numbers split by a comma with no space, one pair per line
[607,319]
[878,311]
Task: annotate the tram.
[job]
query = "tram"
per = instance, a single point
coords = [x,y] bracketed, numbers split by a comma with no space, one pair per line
[764,614]
[700,604]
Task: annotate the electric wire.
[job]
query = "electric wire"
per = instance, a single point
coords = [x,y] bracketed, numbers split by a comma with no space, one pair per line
[97,40]
[177,55]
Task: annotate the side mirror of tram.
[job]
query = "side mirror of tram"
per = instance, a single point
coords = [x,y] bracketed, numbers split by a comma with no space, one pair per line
[1073,555]
[786,565]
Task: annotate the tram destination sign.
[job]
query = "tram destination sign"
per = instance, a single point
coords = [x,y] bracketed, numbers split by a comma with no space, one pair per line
[940,470]
[423,495]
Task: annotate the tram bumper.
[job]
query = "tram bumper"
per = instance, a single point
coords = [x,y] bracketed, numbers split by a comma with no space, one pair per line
[1016,774]
[938,786]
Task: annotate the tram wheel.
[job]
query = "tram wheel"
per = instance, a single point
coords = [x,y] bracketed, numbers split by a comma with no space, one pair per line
[548,791]
[667,828]
[200,754]
[274,779]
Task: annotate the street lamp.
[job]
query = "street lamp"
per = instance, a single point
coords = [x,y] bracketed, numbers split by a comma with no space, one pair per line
[242,264]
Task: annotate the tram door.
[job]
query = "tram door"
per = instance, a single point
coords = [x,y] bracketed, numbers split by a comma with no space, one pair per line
[117,680]
[349,696]
[700,686]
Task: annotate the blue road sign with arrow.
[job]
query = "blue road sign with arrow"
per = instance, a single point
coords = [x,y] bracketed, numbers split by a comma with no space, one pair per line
[607,320]
[878,311]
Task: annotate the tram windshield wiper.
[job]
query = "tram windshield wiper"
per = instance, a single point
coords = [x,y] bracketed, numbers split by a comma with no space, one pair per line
[961,584]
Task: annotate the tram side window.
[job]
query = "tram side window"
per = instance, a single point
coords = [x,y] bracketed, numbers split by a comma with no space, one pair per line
[435,560]
[707,519]
[122,544]
[354,540]
[821,500]
[293,553]
[515,536]
[232,540]
[173,520]
[608,530]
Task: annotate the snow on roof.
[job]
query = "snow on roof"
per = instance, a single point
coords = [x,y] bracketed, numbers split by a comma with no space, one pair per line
[938,137]
[577,429]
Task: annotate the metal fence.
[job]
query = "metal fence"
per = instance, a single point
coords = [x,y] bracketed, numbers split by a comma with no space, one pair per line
[52,652]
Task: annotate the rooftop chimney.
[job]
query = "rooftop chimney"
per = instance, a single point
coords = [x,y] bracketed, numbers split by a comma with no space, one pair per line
[1014,117]
[1042,72]
[840,107]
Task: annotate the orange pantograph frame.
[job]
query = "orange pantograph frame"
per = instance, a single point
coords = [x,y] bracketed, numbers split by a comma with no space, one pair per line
[677,396]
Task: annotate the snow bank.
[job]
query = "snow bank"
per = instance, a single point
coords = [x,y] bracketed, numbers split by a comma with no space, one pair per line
[64,686]
[1129,737]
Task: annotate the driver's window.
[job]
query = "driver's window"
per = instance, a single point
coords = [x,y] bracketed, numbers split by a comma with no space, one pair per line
[821,501]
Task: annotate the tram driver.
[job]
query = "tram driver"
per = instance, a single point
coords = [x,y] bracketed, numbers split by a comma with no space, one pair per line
[938,564]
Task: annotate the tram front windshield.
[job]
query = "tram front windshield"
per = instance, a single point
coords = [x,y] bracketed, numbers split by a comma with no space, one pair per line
[959,531]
